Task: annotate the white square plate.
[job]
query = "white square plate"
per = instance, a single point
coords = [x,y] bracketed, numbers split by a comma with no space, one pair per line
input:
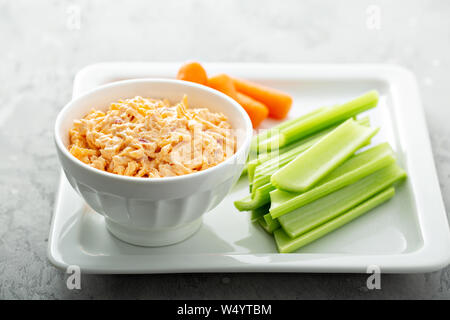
[410,233]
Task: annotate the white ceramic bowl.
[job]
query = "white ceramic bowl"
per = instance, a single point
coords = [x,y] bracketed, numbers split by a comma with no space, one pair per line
[146,211]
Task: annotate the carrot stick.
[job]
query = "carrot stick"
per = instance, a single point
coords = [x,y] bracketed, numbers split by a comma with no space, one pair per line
[278,103]
[194,72]
[223,83]
[255,109]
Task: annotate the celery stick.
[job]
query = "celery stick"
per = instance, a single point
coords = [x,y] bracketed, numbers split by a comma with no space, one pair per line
[286,244]
[260,138]
[365,121]
[259,212]
[324,156]
[266,169]
[251,166]
[245,204]
[262,176]
[244,171]
[263,171]
[270,228]
[355,168]
[336,114]
[260,198]
[321,120]
[326,208]
[297,146]
[268,218]
[262,158]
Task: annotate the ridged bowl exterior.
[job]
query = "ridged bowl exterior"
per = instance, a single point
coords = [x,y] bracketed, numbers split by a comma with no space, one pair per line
[144,203]
[153,206]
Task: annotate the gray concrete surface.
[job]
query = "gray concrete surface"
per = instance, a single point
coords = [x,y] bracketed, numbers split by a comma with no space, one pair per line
[44,43]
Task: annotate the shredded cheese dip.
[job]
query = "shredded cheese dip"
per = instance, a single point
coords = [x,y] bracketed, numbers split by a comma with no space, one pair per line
[142,137]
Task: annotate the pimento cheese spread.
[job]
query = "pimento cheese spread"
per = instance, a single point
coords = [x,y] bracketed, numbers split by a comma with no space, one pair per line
[142,137]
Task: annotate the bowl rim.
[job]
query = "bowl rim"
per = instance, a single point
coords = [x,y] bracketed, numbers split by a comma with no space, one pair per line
[72,104]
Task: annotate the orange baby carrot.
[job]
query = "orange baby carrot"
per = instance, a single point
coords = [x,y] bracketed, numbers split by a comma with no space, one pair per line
[279,103]
[194,72]
[255,109]
[223,83]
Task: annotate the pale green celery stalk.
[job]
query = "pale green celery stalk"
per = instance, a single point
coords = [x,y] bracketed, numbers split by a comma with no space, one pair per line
[315,213]
[275,153]
[364,121]
[251,166]
[265,170]
[269,227]
[264,178]
[245,204]
[298,145]
[263,175]
[259,212]
[245,171]
[259,187]
[260,138]
[322,120]
[286,244]
[260,198]
[353,169]
[309,167]
[268,218]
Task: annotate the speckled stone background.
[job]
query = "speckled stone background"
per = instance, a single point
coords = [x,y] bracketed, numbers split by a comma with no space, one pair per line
[44,43]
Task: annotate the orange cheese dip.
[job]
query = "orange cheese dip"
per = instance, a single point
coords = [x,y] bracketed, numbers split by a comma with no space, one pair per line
[142,137]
